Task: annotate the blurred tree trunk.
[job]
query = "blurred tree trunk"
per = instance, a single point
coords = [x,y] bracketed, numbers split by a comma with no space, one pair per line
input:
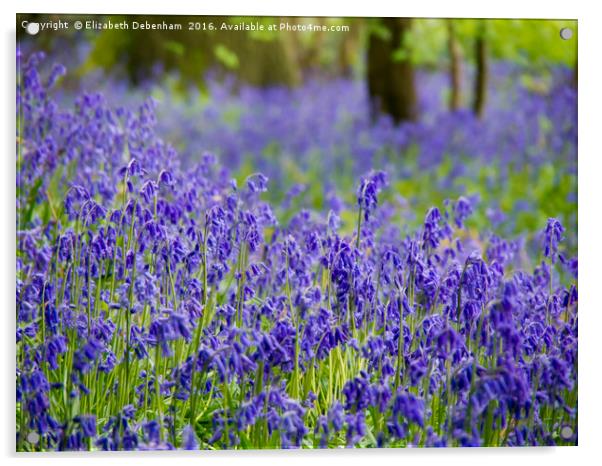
[390,71]
[349,48]
[481,73]
[312,56]
[455,70]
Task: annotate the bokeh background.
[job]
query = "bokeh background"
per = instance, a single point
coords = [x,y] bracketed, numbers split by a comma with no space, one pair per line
[448,107]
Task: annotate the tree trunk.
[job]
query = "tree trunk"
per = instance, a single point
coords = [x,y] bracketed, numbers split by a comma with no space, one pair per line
[391,73]
[455,70]
[482,75]
[349,48]
[312,57]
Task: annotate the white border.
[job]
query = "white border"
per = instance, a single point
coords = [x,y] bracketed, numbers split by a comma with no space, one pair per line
[590,181]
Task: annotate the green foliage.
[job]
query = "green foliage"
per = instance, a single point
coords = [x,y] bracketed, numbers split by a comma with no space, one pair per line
[524,41]
[175,47]
[428,42]
[226,56]
[532,41]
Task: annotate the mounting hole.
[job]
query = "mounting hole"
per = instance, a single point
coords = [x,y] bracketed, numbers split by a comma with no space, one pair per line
[566,33]
[566,432]
[33,437]
[32,28]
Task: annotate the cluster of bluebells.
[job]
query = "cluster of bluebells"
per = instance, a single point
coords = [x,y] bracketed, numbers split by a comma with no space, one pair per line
[521,126]
[160,307]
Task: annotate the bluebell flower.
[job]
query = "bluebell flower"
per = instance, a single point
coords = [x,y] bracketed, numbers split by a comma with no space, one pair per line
[552,238]
[189,439]
[367,194]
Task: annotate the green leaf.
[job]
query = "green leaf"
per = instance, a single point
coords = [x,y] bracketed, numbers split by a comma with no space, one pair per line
[177,48]
[228,58]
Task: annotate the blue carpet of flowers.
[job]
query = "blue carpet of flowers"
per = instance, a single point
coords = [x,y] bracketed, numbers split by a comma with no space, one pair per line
[320,292]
